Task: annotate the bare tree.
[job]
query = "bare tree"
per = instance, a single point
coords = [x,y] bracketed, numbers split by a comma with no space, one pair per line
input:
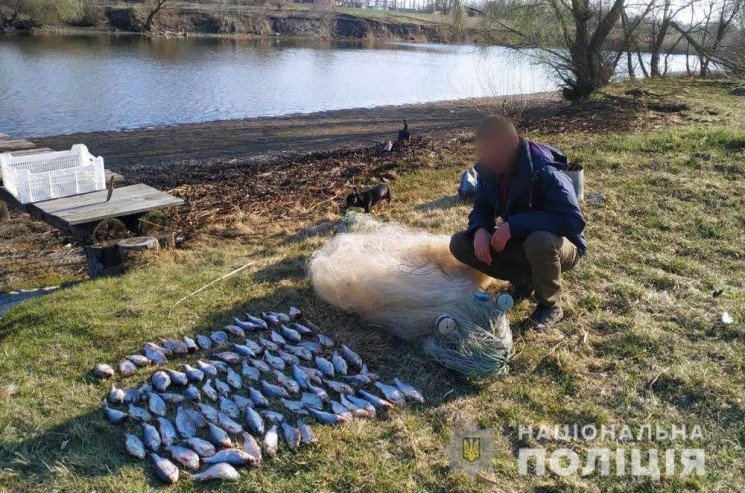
[663,15]
[154,6]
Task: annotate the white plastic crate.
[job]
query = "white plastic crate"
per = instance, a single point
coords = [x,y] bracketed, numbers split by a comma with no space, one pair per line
[51,175]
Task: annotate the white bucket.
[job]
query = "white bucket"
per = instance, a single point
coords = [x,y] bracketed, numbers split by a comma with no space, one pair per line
[576,173]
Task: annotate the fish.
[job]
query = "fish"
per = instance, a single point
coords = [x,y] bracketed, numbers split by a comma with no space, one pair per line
[310,325]
[300,377]
[173,345]
[260,365]
[139,360]
[204,342]
[250,372]
[156,405]
[160,380]
[227,424]
[277,339]
[282,317]
[252,448]
[246,325]
[242,402]
[222,471]
[299,352]
[244,350]
[358,380]
[184,424]
[325,341]
[116,395]
[325,366]
[219,337]
[271,442]
[197,417]
[290,334]
[292,435]
[155,355]
[206,368]
[314,374]
[222,387]
[340,409]
[409,391]
[134,446]
[235,330]
[192,393]
[221,366]
[270,319]
[191,344]
[351,357]
[339,387]
[102,370]
[326,418]
[340,365]
[218,436]
[302,329]
[209,412]
[356,411]
[209,390]
[202,447]
[144,391]
[193,374]
[307,437]
[232,456]
[289,359]
[234,380]
[275,361]
[254,421]
[257,321]
[151,437]
[375,400]
[114,416]
[228,357]
[133,395]
[127,368]
[372,376]
[272,416]
[229,407]
[254,346]
[187,458]
[167,432]
[362,404]
[273,390]
[257,398]
[172,397]
[312,400]
[286,382]
[392,394]
[297,407]
[139,413]
[164,469]
[294,312]
[318,392]
[177,377]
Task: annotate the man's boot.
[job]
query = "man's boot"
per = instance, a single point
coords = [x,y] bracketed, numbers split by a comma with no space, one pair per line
[544,318]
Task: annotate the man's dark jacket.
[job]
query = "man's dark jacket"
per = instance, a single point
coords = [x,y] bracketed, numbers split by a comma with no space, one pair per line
[540,198]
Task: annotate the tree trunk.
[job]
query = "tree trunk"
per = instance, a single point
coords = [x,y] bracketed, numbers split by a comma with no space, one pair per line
[103,260]
[4,212]
[131,248]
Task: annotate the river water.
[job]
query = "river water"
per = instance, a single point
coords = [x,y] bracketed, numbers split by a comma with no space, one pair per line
[52,85]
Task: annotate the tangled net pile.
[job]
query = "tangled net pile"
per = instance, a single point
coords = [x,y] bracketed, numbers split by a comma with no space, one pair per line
[402,281]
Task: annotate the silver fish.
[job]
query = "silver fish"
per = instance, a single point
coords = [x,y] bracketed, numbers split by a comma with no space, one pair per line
[312,400]
[229,357]
[299,352]
[319,392]
[257,398]
[326,418]
[339,387]
[144,391]
[304,330]
[356,411]
[325,366]
[300,377]
[254,421]
[191,344]
[187,458]
[289,359]
[275,361]
[232,456]
[172,397]
[273,390]
[206,368]
[151,437]
[139,360]
[139,413]
[271,319]
[164,469]
[290,334]
[260,365]
[282,317]
[351,357]
[257,321]
[235,330]
[156,405]
[325,341]
[193,374]
[375,400]
[192,393]
[155,354]
[227,424]
[297,407]
[218,436]
[392,394]
[310,325]
[251,447]
[197,417]
[314,374]
[209,390]
[292,435]
[219,337]
[133,395]
[222,367]
[160,380]
[209,412]
[242,402]
[244,350]
[286,382]
[222,387]
[294,312]
[362,404]
[372,376]
[102,370]
[277,339]
[222,471]
[229,407]
[272,416]
[167,432]
[173,345]
[204,342]
[234,380]
[127,368]
[340,365]
[201,447]
[114,416]
[271,442]
[246,325]
[116,396]
[250,372]
[409,391]
[340,409]
[177,377]
[254,346]
[307,437]
[184,424]
[358,380]
[134,445]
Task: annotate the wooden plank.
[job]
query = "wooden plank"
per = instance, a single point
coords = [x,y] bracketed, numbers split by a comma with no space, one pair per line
[15,145]
[92,198]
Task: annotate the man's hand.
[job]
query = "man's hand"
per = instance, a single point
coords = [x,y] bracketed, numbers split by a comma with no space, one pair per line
[501,236]
[481,241]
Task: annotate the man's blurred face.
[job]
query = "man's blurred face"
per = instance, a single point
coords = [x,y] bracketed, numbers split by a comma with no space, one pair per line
[497,151]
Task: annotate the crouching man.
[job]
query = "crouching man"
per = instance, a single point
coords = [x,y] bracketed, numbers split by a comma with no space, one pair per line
[541,233]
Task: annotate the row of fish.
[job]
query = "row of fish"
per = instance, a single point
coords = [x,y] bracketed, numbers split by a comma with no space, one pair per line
[211,400]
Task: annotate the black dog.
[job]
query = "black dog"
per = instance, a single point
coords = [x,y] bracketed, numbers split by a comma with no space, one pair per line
[369,198]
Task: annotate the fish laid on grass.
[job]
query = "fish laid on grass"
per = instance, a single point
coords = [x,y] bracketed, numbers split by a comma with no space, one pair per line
[340,365]
[242,402]
[254,346]
[139,360]
[375,400]
[289,359]
[339,387]
[244,350]
[362,404]
[222,471]
[392,394]
[341,410]
[326,367]
[351,357]
[283,317]
[201,447]
[358,380]
[299,352]
[133,395]
[257,398]
[178,377]
[272,416]
[184,424]
[150,437]
[250,372]
[300,377]
[252,448]
[409,391]
[127,368]
[218,436]
[155,354]
[254,421]
[223,387]
[357,412]
[197,417]
[306,433]
[235,330]
[292,435]
[219,337]
[160,380]
[206,368]
[186,458]
[290,334]
[134,446]
[204,342]
[304,330]
[297,407]
[172,397]
[209,391]
[234,380]
[271,319]
[372,376]
[260,365]
[277,339]
[314,374]
[229,407]
[232,456]
[192,393]
[164,469]
[273,390]
[271,442]
[156,405]
[193,374]
[102,370]
[229,357]
[319,392]
[286,382]
[326,418]
[114,416]
[277,362]
[173,345]
[139,413]
[227,424]
[209,412]
[190,344]
[116,396]
[167,432]
[312,400]
[246,325]
[294,313]
[257,321]
[325,341]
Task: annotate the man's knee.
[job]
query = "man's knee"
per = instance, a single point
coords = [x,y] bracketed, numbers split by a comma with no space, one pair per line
[461,245]
[542,243]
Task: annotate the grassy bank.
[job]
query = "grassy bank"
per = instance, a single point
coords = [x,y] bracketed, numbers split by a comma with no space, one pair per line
[642,344]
